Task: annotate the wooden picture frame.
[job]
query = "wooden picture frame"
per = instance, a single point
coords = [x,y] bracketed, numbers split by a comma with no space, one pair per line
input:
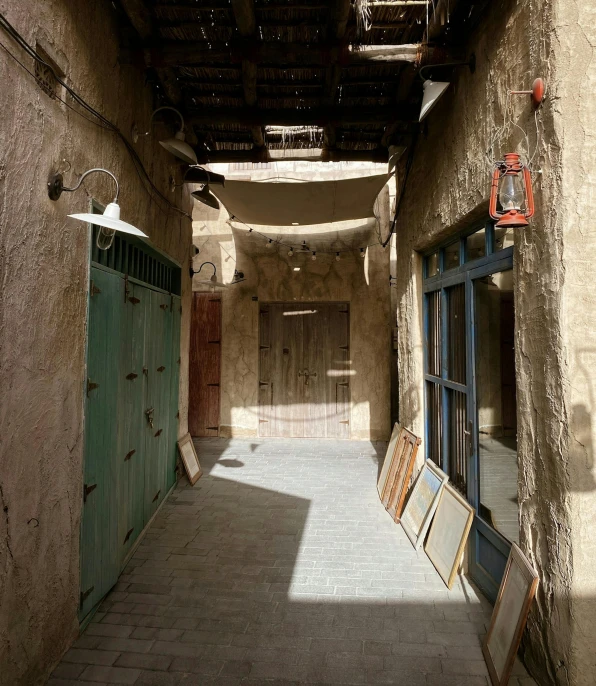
[389,455]
[449,533]
[400,472]
[509,617]
[423,502]
[189,458]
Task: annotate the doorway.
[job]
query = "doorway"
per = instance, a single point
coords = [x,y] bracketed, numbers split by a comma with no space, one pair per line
[304,370]
[470,392]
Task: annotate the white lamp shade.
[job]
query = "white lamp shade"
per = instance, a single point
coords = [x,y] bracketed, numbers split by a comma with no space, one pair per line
[433,90]
[110,219]
[214,284]
[180,148]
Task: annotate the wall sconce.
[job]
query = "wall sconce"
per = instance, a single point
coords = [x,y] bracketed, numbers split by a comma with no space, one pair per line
[433,90]
[176,145]
[212,281]
[512,186]
[109,221]
[205,196]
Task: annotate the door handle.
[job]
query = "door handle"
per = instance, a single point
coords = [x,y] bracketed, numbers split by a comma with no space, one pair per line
[306,374]
[149,415]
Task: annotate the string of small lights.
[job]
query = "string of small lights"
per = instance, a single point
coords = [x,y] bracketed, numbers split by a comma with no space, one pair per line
[303,248]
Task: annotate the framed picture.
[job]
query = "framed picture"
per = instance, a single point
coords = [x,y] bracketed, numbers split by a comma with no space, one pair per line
[189,458]
[388,459]
[423,502]
[400,472]
[508,621]
[448,534]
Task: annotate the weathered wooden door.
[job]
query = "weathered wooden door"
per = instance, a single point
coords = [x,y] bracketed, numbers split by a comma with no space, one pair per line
[304,370]
[205,365]
[130,452]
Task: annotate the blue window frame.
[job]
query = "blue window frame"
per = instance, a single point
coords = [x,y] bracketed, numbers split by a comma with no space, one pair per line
[451,413]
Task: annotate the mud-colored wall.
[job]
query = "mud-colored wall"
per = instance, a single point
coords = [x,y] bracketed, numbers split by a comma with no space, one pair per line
[447,189]
[270,277]
[44,263]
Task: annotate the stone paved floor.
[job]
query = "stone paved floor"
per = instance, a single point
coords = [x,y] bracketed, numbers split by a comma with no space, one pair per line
[281,567]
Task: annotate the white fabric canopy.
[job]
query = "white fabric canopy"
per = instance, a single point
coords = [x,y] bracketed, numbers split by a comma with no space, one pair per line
[297,204]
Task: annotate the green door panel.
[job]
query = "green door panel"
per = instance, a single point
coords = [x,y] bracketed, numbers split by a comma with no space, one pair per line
[99,550]
[131,423]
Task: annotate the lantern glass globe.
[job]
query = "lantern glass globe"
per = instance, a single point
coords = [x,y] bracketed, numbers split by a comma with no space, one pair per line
[511,192]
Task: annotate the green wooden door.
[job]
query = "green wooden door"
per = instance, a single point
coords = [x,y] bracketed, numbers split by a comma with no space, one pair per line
[100,562]
[131,422]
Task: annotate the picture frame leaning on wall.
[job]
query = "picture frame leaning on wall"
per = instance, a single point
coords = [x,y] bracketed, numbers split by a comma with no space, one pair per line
[516,593]
[389,455]
[423,502]
[189,459]
[449,533]
[400,472]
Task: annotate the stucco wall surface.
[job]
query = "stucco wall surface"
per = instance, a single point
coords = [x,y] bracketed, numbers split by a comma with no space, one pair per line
[270,278]
[447,190]
[44,260]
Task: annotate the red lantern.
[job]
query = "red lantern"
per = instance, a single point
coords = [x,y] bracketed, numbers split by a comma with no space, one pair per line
[512,185]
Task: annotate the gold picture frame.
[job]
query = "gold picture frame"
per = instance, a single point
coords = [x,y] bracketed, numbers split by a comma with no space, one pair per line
[449,533]
[509,617]
[423,502]
[189,458]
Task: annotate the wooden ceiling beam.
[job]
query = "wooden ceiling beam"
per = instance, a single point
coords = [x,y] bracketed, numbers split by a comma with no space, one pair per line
[270,7]
[174,53]
[276,24]
[293,155]
[315,116]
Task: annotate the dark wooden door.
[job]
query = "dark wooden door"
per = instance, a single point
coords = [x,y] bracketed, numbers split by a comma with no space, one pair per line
[304,372]
[205,365]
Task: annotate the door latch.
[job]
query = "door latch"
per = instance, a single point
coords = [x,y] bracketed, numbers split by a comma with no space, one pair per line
[149,415]
[87,490]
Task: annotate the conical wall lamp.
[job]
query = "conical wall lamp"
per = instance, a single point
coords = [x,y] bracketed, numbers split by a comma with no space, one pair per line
[206,197]
[109,221]
[433,90]
[176,145]
[212,280]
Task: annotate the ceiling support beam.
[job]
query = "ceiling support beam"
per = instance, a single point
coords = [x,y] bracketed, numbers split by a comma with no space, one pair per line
[292,155]
[316,116]
[173,53]
[244,14]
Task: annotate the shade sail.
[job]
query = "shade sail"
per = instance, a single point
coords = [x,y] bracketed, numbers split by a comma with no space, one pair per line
[312,202]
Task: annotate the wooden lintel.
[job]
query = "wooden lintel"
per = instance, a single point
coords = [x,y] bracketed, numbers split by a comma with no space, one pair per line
[315,116]
[172,53]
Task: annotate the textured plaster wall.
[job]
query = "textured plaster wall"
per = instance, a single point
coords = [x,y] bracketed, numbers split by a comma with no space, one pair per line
[270,277]
[554,295]
[43,299]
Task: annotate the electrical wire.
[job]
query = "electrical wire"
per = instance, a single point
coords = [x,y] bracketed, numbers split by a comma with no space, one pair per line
[146,181]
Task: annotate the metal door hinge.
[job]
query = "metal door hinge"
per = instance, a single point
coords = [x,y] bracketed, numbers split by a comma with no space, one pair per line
[131,376]
[156,496]
[160,369]
[128,535]
[214,385]
[86,594]
[87,490]
[129,455]
[158,433]
[149,415]
[133,300]
[146,371]
[91,386]
[212,428]
[344,421]
[163,307]
[94,290]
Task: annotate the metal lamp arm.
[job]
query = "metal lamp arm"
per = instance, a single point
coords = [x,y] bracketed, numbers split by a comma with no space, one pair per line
[159,109]
[204,263]
[91,171]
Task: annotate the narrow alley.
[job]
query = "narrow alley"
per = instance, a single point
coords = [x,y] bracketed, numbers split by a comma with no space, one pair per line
[281,566]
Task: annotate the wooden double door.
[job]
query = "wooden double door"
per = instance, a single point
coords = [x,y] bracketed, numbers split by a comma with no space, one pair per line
[131,422]
[304,370]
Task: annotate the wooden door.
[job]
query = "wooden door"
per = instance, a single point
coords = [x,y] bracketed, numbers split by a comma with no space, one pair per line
[205,365]
[304,374]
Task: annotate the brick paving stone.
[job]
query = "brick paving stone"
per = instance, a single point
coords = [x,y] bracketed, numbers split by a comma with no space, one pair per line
[283,570]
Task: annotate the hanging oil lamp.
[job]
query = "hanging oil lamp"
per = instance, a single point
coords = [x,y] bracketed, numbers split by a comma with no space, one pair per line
[512,187]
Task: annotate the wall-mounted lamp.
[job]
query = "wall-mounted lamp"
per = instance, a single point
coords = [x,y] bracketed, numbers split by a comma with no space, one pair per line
[212,281]
[109,221]
[176,145]
[537,92]
[512,186]
[433,90]
[205,196]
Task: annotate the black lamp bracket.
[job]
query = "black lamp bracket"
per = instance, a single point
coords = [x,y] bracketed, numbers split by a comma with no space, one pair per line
[471,63]
[192,272]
